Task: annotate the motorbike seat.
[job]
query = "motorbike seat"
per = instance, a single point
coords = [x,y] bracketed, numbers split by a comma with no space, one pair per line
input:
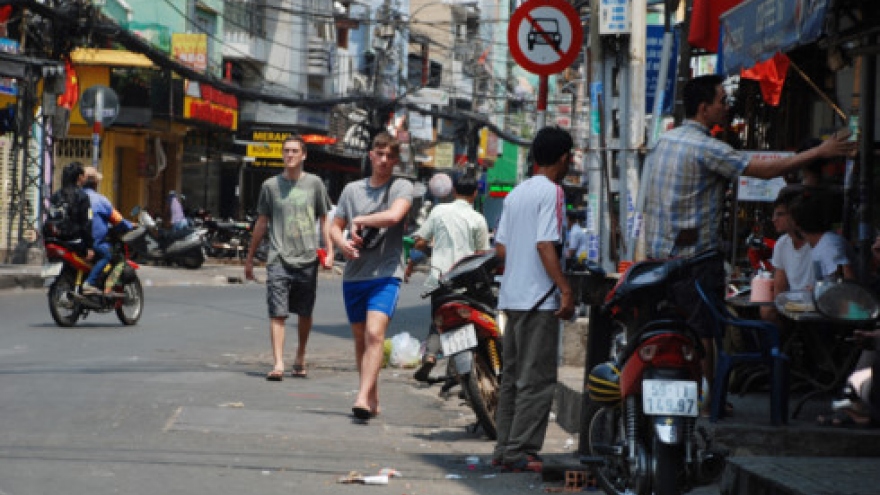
[227,225]
[656,275]
[454,296]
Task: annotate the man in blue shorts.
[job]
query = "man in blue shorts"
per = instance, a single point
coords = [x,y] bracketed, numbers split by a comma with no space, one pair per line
[373,210]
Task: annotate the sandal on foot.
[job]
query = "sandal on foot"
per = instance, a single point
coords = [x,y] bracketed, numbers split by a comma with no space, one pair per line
[275,376]
[361,413]
[844,419]
[421,374]
[530,463]
[299,371]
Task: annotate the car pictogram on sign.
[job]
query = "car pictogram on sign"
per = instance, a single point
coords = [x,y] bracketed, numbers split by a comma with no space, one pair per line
[545,36]
[544,31]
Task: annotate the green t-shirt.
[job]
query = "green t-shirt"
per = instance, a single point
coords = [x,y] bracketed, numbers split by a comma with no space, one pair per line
[293,206]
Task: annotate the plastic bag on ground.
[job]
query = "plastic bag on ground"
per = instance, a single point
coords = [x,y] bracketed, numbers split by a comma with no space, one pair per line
[405,350]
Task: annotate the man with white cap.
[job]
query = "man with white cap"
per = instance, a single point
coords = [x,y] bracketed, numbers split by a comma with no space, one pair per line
[104,216]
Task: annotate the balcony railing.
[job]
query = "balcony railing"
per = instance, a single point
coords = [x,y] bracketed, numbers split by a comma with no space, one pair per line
[241,45]
[320,57]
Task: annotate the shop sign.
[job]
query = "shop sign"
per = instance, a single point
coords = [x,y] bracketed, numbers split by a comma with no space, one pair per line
[155,34]
[8,85]
[756,29]
[653,61]
[191,49]
[266,146]
[208,104]
[444,155]
[752,189]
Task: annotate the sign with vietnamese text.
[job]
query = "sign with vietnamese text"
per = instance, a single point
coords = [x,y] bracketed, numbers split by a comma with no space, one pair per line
[653,59]
[752,189]
[191,50]
[755,30]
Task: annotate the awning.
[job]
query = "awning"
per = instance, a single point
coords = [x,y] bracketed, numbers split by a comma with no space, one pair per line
[115,58]
[755,30]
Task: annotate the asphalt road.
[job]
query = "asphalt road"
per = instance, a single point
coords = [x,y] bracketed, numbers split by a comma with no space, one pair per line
[178,405]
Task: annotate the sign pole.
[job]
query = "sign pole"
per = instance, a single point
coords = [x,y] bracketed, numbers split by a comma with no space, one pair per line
[96,129]
[543,89]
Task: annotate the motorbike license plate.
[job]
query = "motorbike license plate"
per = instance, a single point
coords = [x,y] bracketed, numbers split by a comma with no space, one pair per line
[458,340]
[670,397]
[51,270]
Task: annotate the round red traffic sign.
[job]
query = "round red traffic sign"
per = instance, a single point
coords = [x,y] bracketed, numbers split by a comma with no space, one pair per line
[545,36]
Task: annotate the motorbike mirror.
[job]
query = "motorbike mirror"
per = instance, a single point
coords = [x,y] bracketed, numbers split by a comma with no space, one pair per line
[846,302]
[146,220]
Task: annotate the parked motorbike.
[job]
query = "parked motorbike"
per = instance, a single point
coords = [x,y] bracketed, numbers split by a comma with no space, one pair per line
[182,247]
[645,400]
[470,334]
[67,271]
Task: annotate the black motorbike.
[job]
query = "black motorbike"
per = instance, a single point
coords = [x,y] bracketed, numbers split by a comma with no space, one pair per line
[470,335]
[183,247]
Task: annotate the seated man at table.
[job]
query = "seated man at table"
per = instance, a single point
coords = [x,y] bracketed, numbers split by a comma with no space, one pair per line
[831,254]
[792,263]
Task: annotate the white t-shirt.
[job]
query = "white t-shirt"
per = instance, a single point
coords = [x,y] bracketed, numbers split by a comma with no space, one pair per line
[577,241]
[457,231]
[797,263]
[831,251]
[532,213]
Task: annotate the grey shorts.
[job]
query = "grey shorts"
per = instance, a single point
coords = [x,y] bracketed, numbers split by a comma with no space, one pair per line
[291,290]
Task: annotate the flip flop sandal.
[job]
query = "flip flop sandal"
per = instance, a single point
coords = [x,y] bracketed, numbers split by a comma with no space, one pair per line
[275,376]
[842,419]
[299,371]
[361,413]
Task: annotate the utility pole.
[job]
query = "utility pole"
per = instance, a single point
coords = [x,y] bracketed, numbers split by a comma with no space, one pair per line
[684,63]
[381,45]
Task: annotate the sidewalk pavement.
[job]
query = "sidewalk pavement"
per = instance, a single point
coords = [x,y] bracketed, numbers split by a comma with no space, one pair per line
[212,273]
[800,458]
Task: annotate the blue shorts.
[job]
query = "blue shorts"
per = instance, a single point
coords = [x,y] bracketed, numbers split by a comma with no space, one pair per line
[370,295]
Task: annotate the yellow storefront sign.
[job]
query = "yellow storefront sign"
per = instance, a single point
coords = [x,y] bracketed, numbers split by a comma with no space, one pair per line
[265,150]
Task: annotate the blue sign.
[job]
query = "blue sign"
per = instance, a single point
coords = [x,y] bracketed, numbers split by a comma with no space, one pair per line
[653,53]
[755,30]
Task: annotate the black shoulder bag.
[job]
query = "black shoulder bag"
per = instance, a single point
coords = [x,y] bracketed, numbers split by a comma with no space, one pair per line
[373,236]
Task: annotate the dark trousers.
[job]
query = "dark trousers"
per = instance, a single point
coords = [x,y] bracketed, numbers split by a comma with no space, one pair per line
[531,340]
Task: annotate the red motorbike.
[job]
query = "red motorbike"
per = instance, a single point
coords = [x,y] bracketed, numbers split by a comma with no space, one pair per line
[644,402]
[68,270]
[470,335]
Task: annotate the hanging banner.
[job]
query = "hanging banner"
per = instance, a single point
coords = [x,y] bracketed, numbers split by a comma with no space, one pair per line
[653,54]
[756,29]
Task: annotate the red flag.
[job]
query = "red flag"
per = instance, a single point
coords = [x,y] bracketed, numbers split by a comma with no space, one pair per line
[70,96]
[705,27]
[770,74]
[482,59]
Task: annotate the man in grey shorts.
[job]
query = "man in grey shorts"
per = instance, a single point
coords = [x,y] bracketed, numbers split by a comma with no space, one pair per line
[289,206]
